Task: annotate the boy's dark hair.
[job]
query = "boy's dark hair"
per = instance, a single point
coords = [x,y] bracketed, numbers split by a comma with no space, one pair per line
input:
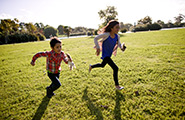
[54,41]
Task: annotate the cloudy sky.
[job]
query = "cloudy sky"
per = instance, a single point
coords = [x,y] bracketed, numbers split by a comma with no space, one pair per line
[85,12]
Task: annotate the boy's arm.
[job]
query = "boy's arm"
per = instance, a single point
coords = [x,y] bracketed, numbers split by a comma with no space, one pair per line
[68,60]
[65,58]
[40,54]
[69,57]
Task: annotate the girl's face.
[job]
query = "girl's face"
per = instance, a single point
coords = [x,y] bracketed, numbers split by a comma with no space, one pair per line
[57,48]
[115,29]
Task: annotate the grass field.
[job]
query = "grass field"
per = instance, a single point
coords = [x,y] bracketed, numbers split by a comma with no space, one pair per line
[152,70]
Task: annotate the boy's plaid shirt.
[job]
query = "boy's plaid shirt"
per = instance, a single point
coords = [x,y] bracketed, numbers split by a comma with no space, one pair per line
[53,60]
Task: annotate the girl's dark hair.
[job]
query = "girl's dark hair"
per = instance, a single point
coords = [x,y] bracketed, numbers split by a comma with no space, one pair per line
[54,41]
[108,27]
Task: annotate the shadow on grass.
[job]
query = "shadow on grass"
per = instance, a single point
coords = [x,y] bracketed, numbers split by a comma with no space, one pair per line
[94,110]
[41,109]
[117,110]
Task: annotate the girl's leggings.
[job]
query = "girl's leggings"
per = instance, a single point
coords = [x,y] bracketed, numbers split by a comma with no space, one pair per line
[112,65]
[55,81]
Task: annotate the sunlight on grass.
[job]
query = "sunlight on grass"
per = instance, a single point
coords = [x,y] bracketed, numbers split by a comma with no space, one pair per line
[152,70]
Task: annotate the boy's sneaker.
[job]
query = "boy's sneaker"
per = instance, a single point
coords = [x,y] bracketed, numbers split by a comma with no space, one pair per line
[90,68]
[119,88]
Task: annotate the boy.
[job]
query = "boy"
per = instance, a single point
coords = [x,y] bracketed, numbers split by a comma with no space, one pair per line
[54,59]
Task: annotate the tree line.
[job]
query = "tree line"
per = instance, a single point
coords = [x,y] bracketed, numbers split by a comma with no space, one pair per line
[143,24]
[13,31]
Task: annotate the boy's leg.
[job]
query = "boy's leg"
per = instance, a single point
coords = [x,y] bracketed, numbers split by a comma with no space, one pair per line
[55,81]
[115,70]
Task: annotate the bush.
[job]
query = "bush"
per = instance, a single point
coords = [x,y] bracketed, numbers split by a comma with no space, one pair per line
[146,27]
[179,24]
[78,34]
[21,37]
[124,30]
[89,33]
[96,32]
[2,39]
[41,37]
[182,24]
[32,37]
[154,26]
[50,31]
[141,28]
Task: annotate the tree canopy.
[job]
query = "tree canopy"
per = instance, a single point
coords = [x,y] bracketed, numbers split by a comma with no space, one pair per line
[108,14]
[50,31]
[145,20]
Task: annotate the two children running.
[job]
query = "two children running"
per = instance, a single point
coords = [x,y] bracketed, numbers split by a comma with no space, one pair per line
[108,45]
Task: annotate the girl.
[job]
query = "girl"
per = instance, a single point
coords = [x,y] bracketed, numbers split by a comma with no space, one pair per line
[109,43]
[54,59]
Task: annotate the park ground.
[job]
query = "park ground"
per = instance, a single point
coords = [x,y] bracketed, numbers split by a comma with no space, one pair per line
[152,70]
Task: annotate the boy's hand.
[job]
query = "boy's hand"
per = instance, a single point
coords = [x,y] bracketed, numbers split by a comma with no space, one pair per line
[71,65]
[32,63]
[70,62]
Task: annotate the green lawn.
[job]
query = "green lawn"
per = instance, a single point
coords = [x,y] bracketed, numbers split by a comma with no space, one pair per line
[152,70]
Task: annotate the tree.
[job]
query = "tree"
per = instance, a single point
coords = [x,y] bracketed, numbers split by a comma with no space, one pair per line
[50,31]
[121,25]
[39,27]
[128,25]
[154,26]
[8,26]
[170,24]
[125,27]
[144,21]
[30,27]
[109,14]
[80,30]
[161,23]
[90,31]
[179,19]
[67,30]
[22,27]
[60,29]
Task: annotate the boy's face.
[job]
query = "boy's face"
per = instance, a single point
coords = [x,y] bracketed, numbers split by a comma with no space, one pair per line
[115,29]
[57,48]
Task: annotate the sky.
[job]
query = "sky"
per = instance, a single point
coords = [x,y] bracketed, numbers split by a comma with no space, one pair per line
[84,13]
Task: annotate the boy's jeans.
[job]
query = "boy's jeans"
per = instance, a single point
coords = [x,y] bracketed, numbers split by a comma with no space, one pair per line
[55,81]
